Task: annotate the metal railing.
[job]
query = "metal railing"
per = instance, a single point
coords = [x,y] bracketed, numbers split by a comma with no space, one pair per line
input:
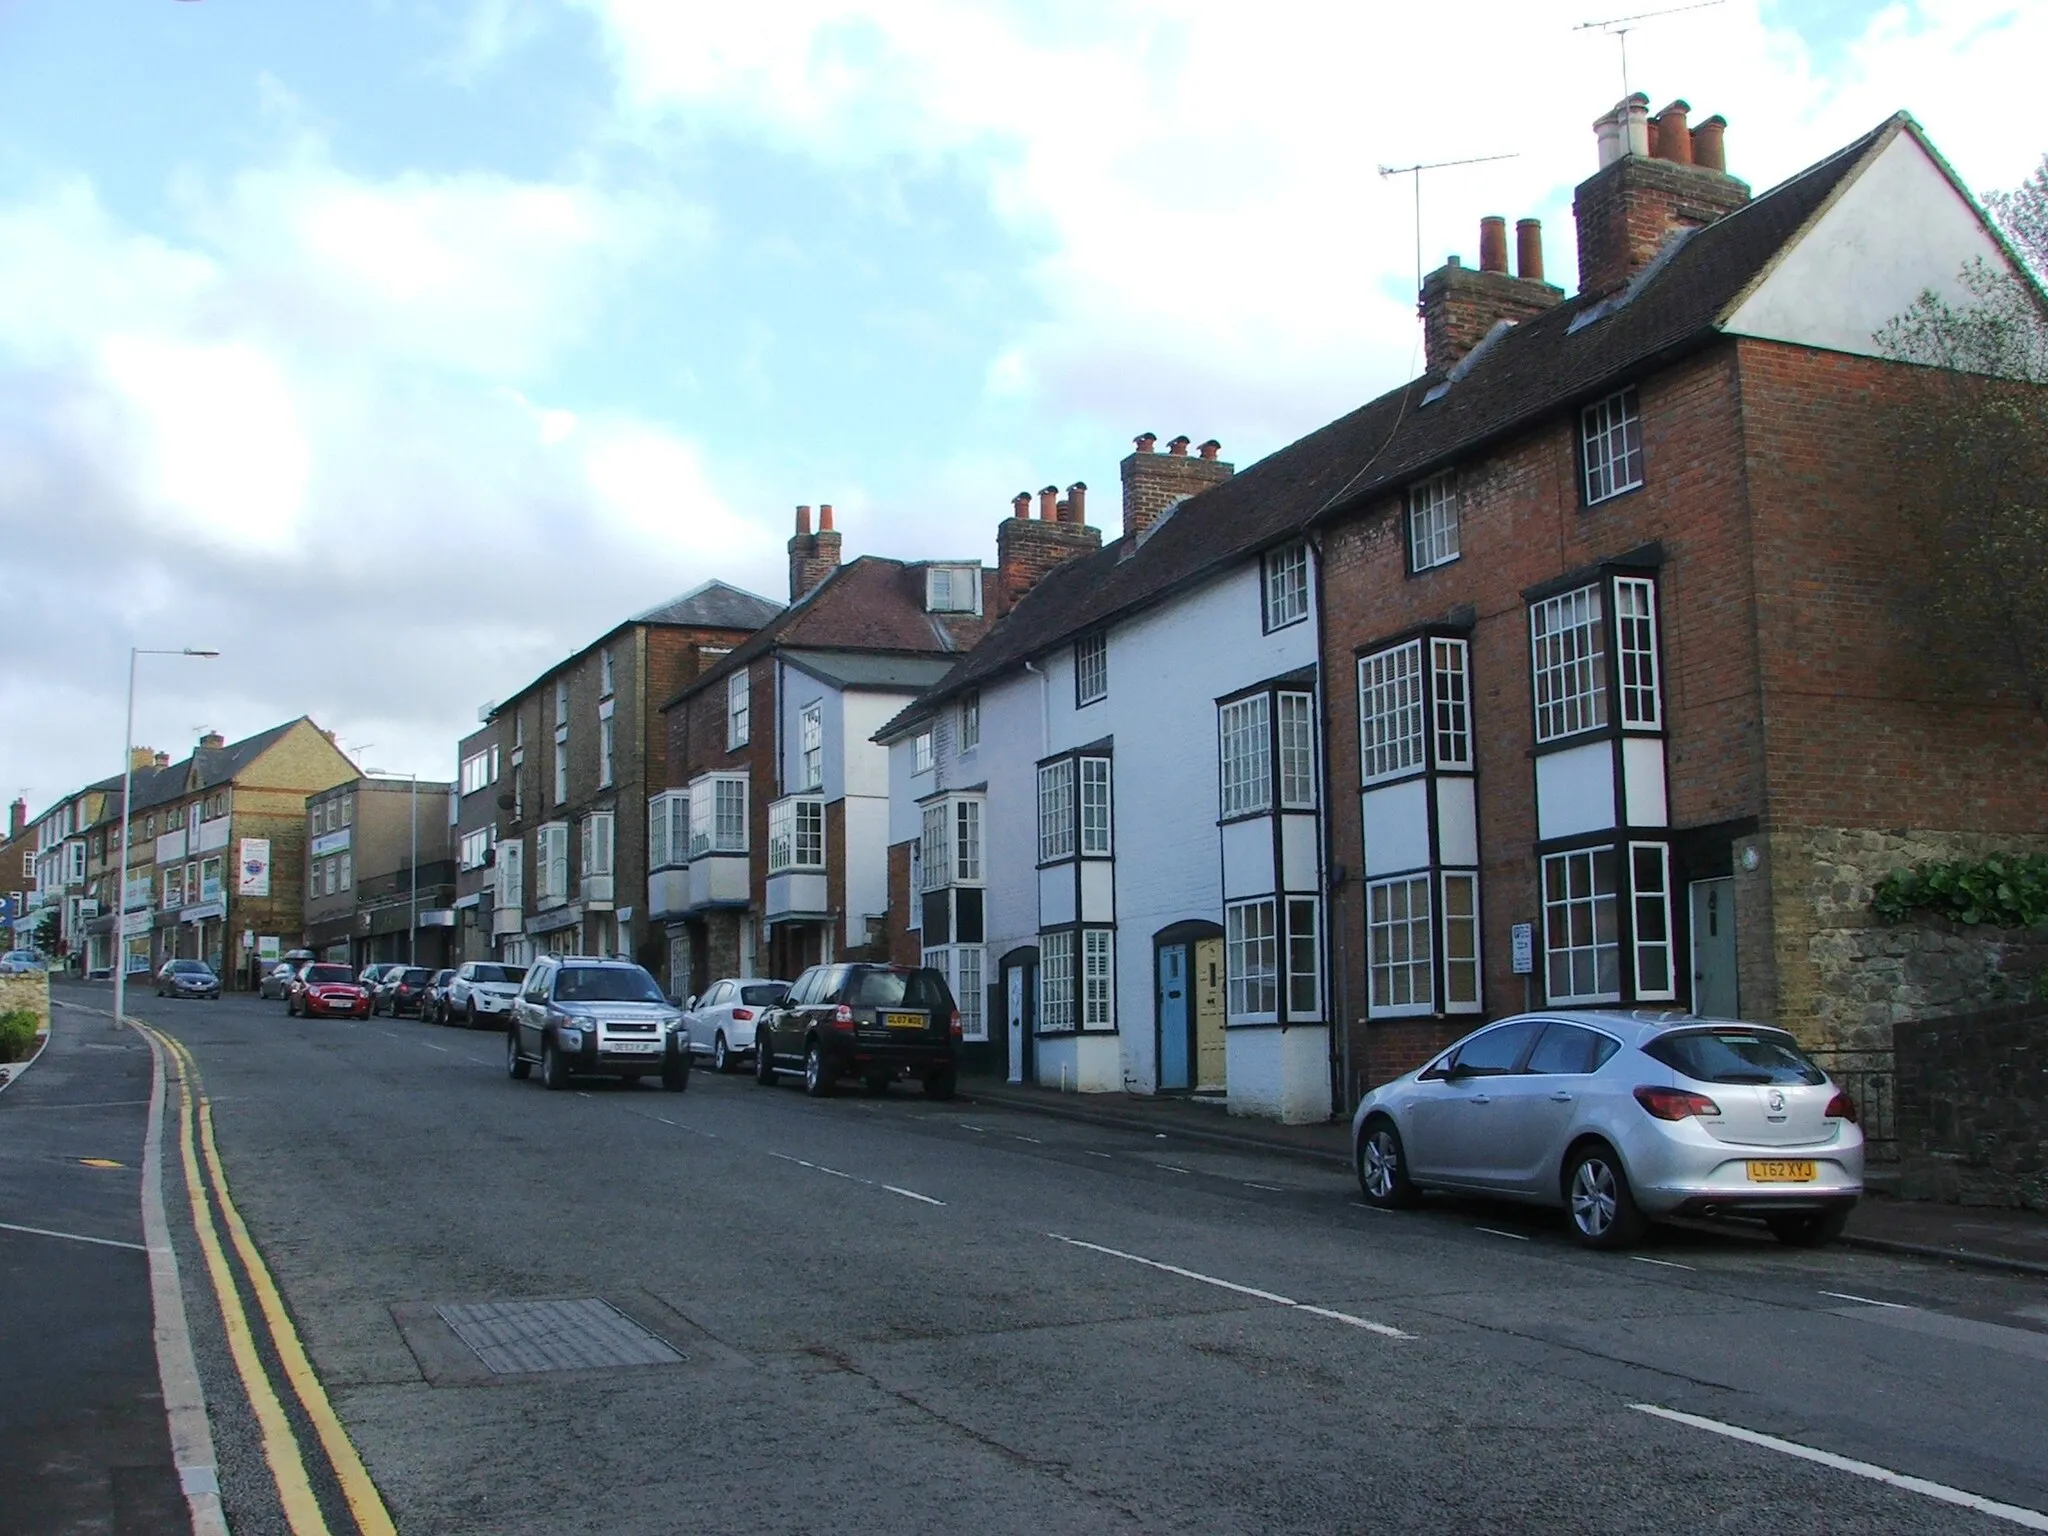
[1868,1078]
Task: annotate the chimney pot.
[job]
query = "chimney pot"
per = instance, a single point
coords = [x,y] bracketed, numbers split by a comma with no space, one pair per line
[825,517]
[1178,447]
[1635,113]
[1048,504]
[1077,501]
[1210,449]
[213,741]
[1020,504]
[1708,151]
[163,760]
[1493,243]
[803,520]
[1672,139]
[1145,440]
[1529,250]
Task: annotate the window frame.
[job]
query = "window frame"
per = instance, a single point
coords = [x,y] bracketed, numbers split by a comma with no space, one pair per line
[1591,901]
[1296,763]
[1244,779]
[1383,927]
[1095,795]
[1394,717]
[923,753]
[1568,692]
[1058,954]
[1619,413]
[1242,945]
[811,745]
[1434,514]
[1058,835]
[1284,586]
[970,720]
[1095,999]
[1091,669]
[739,706]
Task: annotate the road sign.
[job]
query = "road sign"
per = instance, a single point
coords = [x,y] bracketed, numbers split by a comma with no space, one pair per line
[1523,936]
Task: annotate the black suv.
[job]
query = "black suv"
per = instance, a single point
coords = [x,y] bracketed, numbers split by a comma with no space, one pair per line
[874,1022]
[402,989]
[578,1015]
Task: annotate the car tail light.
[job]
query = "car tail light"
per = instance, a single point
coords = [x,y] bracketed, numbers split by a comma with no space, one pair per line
[842,1017]
[1675,1103]
[956,1023]
[743,1014]
[1841,1107]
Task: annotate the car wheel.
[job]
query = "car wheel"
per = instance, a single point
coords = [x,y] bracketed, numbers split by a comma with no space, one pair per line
[469,1014]
[675,1071]
[940,1082]
[516,1066]
[721,1057]
[1603,1211]
[291,1009]
[817,1077]
[554,1072]
[1808,1229]
[1383,1166]
[764,1061]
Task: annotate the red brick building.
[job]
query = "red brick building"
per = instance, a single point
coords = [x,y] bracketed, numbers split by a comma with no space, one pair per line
[1632,690]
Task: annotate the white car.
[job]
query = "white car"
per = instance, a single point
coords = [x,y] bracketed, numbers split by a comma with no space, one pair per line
[720,1023]
[1620,1120]
[20,962]
[482,993]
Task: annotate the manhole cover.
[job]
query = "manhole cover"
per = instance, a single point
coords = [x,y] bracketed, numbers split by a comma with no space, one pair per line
[587,1335]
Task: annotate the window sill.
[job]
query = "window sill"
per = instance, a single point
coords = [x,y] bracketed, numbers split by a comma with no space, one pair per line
[1274,629]
[1586,505]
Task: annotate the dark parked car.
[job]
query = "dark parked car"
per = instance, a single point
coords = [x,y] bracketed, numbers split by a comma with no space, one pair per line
[874,1022]
[373,975]
[435,1004]
[579,1016]
[402,989]
[187,978]
[329,991]
[277,981]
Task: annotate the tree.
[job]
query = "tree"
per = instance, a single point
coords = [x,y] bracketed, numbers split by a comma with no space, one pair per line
[1975,436]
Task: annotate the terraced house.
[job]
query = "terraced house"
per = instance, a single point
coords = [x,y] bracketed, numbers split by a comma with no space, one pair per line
[769,843]
[550,820]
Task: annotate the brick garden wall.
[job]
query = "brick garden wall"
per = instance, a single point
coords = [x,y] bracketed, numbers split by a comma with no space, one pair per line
[1972,1095]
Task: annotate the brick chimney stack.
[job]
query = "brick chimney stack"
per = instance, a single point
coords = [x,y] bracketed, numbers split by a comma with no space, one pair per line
[1027,547]
[212,741]
[812,556]
[1658,175]
[17,819]
[162,760]
[140,758]
[1154,481]
[1459,306]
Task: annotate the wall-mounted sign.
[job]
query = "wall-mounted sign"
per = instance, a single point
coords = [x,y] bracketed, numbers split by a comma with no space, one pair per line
[253,867]
[1522,939]
[266,946]
[331,842]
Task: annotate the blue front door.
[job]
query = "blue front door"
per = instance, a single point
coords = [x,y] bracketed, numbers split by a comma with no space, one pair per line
[1173,1017]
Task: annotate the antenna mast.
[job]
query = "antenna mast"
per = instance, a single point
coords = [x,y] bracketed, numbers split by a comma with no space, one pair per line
[1434,165]
[1619,27]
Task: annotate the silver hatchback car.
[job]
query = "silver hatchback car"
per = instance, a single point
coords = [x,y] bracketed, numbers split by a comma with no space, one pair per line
[1621,1119]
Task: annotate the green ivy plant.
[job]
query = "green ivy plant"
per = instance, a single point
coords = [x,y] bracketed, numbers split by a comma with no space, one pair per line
[2009,891]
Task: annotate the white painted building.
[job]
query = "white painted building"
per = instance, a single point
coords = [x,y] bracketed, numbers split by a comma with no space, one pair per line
[1112,812]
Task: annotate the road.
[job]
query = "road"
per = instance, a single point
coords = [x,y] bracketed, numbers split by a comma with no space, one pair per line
[901,1316]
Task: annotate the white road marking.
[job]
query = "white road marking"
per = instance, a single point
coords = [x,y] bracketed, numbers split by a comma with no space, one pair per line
[1377,1210]
[1496,1232]
[1663,1263]
[1383,1329]
[666,1121]
[1896,1306]
[1104,1155]
[73,1237]
[2032,1520]
[433,1047]
[1173,1168]
[834,1172]
[788,1159]
[978,1130]
[1271,1189]
[911,1194]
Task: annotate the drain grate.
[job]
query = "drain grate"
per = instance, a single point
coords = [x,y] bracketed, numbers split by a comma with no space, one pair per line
[512,1337]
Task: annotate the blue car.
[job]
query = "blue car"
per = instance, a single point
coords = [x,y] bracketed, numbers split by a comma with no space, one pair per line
[187,978]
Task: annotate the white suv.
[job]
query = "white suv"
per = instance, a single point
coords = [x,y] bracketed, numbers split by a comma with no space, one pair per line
[482,993]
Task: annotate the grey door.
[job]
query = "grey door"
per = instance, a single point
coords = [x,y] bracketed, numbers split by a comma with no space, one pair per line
[1714,993]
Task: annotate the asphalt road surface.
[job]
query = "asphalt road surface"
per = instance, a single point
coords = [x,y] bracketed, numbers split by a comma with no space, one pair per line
[893,1315]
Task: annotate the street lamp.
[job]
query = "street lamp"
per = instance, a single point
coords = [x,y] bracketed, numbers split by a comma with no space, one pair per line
[127,800]
[412,914]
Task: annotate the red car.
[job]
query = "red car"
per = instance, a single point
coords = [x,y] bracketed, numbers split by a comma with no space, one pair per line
[328,991]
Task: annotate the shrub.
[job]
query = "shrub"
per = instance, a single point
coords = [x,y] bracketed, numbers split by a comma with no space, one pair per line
[17,1034]
[1999,892]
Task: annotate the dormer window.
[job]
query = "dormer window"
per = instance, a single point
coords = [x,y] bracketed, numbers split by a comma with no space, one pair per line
[952,589]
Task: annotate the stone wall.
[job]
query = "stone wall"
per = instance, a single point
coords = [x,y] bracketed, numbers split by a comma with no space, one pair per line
[1973,1108]
[1844,978]
[30,992]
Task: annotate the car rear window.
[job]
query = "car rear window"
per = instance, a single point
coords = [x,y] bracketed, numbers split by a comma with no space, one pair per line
[764,995]
[416,977]
[924,989]
[606,984]
[511,973]
[329,973]
[1735,1056]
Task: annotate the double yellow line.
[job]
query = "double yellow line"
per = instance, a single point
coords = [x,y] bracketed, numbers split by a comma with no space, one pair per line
[281,1448]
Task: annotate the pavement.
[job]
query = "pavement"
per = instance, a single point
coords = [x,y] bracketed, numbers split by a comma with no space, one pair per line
[2015,1241]
[616,1310]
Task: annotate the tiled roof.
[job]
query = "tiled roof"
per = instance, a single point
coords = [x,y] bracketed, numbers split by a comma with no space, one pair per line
[714,605]
[871,669]
[1528,372]
[216,765]
[867,604]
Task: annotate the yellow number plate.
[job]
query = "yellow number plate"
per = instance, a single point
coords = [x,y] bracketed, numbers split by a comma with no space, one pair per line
[904,1020]
[1782,1173]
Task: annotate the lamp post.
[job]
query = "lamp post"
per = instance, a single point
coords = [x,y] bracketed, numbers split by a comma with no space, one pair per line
[412,929]
[127,800]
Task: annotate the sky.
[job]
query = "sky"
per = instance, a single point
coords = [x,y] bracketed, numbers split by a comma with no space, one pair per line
[398,348]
